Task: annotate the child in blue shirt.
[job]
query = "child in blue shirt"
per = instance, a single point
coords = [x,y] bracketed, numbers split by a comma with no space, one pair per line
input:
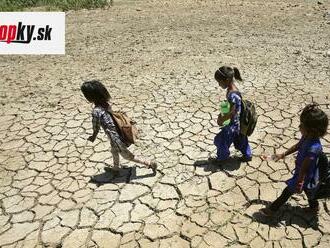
[229,134]
[313,126]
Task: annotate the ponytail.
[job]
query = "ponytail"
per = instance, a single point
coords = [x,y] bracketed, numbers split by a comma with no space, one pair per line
[237,74]
[227,73]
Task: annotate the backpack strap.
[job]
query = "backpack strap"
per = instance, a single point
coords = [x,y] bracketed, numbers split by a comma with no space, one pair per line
[118,129]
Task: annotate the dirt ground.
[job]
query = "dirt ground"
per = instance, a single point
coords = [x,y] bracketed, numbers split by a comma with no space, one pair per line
[158,59]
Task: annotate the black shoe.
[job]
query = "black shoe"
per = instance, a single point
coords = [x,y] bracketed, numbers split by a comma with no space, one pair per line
[245,159]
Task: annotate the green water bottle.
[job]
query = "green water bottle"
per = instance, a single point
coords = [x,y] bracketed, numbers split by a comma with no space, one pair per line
[224,109]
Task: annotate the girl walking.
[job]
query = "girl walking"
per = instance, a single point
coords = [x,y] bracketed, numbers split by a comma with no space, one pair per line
[225,76]
[95,92]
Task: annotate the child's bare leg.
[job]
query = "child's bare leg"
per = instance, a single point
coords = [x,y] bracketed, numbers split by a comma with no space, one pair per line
[313,204]
[115,157]
[283,198]
[131,157]
[150,164]
[141,160]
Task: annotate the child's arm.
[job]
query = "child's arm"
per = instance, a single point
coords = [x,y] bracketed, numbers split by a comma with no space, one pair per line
[96,128]
[291,150]
[302,174]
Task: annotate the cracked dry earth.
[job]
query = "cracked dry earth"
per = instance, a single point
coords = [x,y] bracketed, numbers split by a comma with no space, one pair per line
[158,61]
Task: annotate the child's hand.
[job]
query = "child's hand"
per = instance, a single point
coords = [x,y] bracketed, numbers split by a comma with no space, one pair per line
[277,157]
[91,138]
[220,120]
[265,157]
[274,157]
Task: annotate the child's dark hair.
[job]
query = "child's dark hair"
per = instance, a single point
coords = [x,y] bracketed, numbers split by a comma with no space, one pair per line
[95,92]
[314,120]
[227,73]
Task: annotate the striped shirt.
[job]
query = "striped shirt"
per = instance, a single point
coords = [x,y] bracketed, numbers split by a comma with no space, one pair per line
[101,117]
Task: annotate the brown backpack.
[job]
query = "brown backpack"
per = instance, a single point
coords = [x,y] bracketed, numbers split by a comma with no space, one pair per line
[125,126]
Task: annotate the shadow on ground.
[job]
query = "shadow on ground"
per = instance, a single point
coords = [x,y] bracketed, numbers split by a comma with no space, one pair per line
[231,164]
[287,216]
[124,175]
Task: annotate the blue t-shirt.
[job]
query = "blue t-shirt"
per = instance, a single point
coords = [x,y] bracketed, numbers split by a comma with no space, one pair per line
[236,101]
[307,148]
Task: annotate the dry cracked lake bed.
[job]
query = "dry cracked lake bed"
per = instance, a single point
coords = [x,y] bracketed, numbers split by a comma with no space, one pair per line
[158,59]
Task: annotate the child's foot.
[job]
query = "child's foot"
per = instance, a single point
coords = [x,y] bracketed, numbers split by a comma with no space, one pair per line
[267,212]
[153,166]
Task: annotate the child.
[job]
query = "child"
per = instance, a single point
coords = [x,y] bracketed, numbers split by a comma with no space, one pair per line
[313,125]
[95,92]
[231,133]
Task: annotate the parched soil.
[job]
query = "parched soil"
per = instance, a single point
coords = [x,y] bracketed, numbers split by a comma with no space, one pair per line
[158,59]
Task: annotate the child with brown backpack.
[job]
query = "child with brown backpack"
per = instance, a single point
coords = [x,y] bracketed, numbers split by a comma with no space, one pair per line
[116,125]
